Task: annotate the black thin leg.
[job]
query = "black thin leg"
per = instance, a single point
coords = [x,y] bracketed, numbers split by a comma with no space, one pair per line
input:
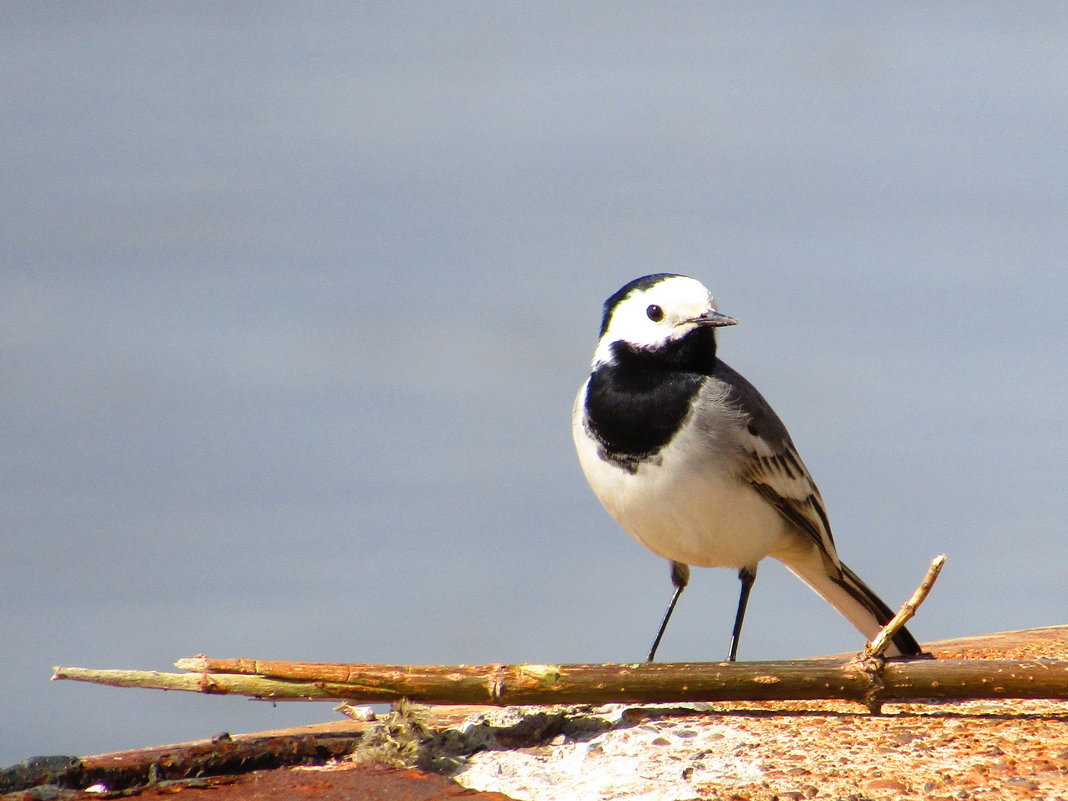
[680,577]
[747,575]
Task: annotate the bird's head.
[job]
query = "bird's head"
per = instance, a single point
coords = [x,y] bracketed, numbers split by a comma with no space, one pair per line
[654,312]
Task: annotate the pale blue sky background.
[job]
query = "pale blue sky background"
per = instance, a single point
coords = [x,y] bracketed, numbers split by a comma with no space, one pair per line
[294,301]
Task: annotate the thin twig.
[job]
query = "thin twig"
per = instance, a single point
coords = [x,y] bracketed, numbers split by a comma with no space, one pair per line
[883,639]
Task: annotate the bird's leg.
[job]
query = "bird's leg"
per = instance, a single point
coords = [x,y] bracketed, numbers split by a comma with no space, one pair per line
[747,575]
[680,577]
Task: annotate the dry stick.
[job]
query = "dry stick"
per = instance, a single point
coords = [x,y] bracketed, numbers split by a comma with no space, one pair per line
[504,685]
[868,678]
[883,639]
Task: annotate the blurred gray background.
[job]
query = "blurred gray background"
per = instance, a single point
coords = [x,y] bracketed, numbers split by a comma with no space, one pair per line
[295,299]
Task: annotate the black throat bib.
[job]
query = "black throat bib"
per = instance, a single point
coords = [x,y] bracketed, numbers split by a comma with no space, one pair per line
[636,404]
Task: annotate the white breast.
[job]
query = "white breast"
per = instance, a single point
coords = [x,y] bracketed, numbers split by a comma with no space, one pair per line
[688,504]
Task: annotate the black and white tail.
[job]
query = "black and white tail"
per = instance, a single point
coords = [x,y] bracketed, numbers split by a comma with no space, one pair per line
[847,593]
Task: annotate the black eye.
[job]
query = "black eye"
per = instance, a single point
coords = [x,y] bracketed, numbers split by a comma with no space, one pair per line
[655,313]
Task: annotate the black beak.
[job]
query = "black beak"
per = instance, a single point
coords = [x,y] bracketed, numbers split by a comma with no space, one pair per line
[713,319]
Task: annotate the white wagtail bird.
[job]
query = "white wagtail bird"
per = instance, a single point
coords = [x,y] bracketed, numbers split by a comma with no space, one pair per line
[694,464]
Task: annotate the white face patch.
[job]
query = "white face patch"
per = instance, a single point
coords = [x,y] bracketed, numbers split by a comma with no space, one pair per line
[679,300]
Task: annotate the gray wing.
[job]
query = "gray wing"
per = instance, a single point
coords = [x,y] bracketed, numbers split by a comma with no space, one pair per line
[772,465]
